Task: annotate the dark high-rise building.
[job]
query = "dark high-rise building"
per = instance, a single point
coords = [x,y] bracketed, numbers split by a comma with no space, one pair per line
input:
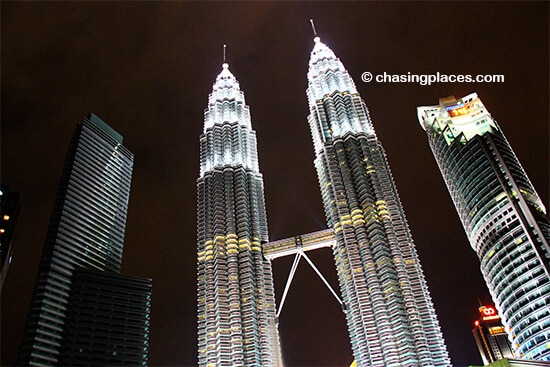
[389,311]
[502,214]
[86,232]
[490,336]
[9,210]
[108,320]
[236,302]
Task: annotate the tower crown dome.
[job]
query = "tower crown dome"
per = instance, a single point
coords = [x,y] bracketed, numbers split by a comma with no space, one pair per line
[228,139]
[326,73]
[226,103]
[320,51]
[226,87]
[226,79]
[335,105]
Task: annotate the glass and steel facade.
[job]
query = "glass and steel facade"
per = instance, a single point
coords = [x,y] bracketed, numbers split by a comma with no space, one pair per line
[236,303]
[502,214]
[86,231]
[390,315]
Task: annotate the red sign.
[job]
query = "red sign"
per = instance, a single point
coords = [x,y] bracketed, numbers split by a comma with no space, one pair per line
[488,313]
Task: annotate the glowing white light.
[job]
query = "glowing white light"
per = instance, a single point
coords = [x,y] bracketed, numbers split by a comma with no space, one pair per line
[228,136]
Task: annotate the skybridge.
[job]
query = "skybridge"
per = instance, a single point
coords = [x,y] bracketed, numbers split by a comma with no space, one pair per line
[298,246]
[303,243]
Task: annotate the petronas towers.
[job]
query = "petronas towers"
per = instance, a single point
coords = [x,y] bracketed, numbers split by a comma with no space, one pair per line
[390,316]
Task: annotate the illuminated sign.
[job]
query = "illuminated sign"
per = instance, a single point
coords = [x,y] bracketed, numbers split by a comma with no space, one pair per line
[496,330]
[455,106]
[458,109]
[488,313]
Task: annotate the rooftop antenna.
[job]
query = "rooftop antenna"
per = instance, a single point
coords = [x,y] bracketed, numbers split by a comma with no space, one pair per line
[480,304]
[313,27]
[315,36]
[225,65]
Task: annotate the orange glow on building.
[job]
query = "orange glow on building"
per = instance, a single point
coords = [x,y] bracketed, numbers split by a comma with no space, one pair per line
[460,111]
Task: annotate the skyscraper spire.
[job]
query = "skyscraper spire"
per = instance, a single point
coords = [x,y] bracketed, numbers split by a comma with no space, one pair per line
[313,28]
[390,315]
[224,54]
[316,38]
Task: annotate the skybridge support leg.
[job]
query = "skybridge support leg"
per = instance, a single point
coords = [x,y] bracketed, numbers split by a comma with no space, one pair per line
[324,280]
[297,258]
[289,280]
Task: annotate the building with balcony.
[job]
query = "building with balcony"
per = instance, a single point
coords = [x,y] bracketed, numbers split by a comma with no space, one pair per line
[503,217]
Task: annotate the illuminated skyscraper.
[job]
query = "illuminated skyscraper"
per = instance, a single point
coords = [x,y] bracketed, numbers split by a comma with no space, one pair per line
[236,304]
[490,336]
[390,315]
[503,216]
[86,232]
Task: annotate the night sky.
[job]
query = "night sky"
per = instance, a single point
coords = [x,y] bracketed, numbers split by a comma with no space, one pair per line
[146,68]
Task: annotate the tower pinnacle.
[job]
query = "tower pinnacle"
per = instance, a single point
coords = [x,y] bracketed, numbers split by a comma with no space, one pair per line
[225,65]
[316,37]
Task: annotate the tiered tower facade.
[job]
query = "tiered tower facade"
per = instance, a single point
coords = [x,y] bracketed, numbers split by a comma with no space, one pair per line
[503,216]
[390,315]
[236,303]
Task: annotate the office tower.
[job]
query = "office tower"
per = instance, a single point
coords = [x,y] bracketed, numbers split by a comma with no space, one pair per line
[86,232]
[108,320]
[490,336]
[9,210]
[390,315]
[236,305]
[504,218]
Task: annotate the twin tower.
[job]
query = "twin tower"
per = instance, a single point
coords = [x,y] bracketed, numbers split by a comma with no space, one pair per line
[390,315]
